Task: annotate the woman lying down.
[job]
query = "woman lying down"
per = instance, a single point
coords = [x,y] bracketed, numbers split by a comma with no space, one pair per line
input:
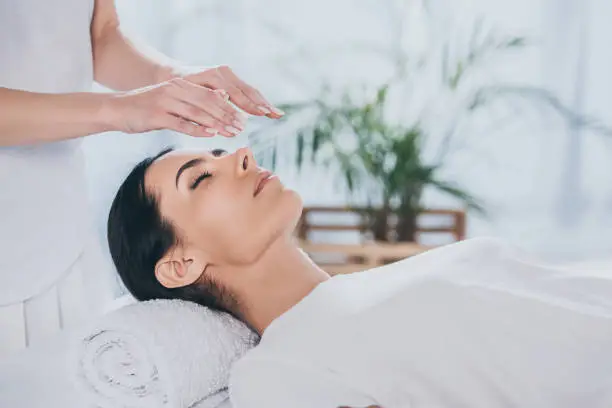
[471,324]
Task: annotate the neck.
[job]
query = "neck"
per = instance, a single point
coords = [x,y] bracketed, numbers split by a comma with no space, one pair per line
[274,284]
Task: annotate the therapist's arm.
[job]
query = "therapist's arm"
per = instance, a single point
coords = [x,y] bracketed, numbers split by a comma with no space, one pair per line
[121,64]
[30,117]
[179,105]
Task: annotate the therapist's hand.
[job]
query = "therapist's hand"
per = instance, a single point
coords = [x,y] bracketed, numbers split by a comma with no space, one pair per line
[178,105]
[241,94]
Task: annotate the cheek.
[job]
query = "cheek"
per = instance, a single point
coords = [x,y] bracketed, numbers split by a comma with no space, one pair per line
[274,217]
[235,229]
[222,223]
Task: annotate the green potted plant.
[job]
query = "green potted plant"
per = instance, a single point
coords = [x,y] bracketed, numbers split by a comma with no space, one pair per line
[386,156]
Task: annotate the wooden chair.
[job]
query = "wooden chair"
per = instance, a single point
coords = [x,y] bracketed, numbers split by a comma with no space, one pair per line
[338,258]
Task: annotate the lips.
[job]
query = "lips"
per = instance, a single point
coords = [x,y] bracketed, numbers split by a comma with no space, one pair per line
[262,178]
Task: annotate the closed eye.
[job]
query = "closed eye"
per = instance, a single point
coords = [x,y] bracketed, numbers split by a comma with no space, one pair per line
[198,180]
[205,175]
[218,152]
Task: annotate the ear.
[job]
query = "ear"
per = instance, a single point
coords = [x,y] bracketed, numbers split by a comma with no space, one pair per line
[180,267]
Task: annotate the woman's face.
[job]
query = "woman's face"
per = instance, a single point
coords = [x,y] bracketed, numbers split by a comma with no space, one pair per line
[222,204]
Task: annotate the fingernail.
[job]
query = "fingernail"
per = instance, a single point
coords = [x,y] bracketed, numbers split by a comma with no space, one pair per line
[264,109]
[211,131]
[238,124]
[232,130]
[278,111]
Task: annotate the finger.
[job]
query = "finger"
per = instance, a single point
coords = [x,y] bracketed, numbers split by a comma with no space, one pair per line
[195,114]
[242,101]
[184,126]
[226,79]
[270,110]
[211,102]
[240,117]
[255,98]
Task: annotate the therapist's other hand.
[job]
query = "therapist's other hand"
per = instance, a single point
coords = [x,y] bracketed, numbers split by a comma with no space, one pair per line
[240,93]
[178,105]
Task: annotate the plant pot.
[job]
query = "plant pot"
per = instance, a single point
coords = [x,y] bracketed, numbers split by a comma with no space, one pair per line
[406,228]
[407,213]
[380,225]
[376,222]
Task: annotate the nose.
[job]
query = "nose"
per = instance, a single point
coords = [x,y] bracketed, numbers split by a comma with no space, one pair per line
[244,160]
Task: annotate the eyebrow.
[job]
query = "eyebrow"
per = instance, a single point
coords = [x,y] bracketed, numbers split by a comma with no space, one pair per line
[187,165]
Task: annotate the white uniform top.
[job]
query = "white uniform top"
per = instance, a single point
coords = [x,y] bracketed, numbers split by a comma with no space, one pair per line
[45,47]
[474,324]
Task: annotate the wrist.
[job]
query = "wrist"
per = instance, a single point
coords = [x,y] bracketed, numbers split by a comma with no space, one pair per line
[190,73]
[166,72]
[106,112]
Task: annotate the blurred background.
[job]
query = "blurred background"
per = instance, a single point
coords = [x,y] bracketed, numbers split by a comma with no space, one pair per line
[495,114]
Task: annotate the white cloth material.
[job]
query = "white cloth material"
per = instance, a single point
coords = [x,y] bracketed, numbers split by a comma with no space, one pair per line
[162,353]
[474,324]
[42,376]
[45,47]
[83,291]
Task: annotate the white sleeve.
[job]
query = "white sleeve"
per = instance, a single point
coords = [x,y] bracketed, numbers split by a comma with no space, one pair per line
[258,383]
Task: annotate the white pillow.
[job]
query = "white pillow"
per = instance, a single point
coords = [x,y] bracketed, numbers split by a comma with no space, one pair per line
[161,353]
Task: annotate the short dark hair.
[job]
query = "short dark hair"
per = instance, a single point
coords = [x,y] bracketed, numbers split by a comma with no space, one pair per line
[139,236]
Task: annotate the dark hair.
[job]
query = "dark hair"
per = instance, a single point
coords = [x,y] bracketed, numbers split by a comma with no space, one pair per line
[139,236]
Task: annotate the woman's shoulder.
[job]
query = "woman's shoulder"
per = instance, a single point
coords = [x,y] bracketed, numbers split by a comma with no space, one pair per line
[469,248]
[442,264]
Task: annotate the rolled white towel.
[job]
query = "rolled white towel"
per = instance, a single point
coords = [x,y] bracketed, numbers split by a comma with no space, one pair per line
[161,353]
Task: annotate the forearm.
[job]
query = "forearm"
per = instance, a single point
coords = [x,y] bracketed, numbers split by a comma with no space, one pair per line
[28,117]
[122,64]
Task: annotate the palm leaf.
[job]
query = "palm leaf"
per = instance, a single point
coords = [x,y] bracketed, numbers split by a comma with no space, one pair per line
[321,135]
[274,154]
[294,107]
[460,194]
[454,80]
[445,61]
[476,33]
[300,149]
[515,42]
[381,94]
[349,170]
[490,93]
